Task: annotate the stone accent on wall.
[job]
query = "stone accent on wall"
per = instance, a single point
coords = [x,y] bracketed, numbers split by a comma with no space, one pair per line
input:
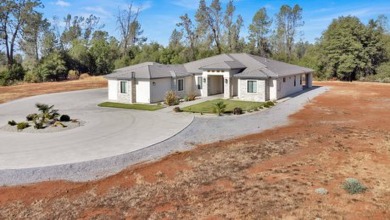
[124,97]
[259,96]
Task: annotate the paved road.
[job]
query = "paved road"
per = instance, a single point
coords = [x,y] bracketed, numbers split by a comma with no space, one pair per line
[107,132]
[202,130]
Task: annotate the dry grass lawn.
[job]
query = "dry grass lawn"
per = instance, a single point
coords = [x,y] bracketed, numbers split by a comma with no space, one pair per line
[9,93]
[343,133]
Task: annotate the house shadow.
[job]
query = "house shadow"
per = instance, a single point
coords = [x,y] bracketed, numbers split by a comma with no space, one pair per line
[305,90]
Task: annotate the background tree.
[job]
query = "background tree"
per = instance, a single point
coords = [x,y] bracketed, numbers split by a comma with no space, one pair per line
[13,16]
[190,33]
[258,33]
[350,49]
[129,28]
[209,19]
[288,20]
[101,53]
[52,68]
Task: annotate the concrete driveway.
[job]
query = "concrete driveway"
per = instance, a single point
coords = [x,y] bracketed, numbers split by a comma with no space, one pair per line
[108,132]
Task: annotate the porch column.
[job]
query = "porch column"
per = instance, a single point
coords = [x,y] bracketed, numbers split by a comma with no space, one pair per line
[227,93]
[309,80]
[205,85]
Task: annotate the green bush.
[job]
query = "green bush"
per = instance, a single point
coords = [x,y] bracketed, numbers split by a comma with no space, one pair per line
[11,75]
[177,109]
[353,186]
[171,98]
[22,125]
[32,77]
[64,118]
[31,117]
[219,108]
[12,123]
[237,111]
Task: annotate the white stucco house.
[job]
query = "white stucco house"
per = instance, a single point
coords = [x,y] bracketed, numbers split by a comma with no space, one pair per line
[245,76]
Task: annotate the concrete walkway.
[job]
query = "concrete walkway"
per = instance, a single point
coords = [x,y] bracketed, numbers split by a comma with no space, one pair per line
[201,130]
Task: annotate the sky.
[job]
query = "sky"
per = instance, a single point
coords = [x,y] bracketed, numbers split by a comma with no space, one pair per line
[159,17]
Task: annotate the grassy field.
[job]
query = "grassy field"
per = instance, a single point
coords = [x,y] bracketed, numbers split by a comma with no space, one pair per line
[145,107]
[9,93]
[208,106]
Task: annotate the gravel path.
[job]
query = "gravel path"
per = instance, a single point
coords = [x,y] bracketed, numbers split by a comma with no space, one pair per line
[205,129]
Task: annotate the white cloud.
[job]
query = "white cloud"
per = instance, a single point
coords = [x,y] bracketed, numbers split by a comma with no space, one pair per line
[62,3]
[98,10]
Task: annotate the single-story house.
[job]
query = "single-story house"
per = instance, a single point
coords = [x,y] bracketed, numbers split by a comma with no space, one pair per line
[245,76]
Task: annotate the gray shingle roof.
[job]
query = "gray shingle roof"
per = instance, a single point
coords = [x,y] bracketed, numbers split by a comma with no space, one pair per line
[251,66]
[149,70]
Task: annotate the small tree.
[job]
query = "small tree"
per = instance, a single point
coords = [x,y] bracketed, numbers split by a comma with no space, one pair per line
[171,98]
[219,108]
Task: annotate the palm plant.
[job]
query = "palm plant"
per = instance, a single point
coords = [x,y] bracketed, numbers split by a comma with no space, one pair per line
[46,113]
[219,108]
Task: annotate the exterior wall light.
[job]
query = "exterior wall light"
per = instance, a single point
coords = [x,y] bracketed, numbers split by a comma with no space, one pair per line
[154,83]
[204,80]
[226,81]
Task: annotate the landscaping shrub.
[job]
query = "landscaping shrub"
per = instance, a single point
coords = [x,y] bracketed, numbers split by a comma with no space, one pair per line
[171,98]
[219,108]
[84,76]
[32,77]
[268,104]
[237,111]
[12,123]
[31,117]
[73,74]
[177,109]
[353,186]
[22,125]
[190,97]
[57,123]
[64,118]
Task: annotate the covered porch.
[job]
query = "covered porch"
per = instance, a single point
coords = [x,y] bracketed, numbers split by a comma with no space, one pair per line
[219,83]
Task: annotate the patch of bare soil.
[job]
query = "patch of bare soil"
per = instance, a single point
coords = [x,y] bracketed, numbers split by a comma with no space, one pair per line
[9,93]
[272,175]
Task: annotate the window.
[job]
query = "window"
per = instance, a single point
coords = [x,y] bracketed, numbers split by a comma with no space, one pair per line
[180,85]
[284,79]
[295,80]
[200,82]
[123,87]
[252,86]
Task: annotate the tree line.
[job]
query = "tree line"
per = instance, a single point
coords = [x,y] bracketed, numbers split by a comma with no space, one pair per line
[34,49]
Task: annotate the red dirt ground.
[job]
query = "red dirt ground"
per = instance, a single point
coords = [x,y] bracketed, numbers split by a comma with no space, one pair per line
[272,175]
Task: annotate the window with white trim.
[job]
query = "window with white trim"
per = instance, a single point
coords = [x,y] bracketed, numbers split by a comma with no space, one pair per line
[180,84]
[252,86]
[200,82]
[123,87]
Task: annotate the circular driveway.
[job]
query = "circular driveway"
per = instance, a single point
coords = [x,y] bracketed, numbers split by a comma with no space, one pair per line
[108,132]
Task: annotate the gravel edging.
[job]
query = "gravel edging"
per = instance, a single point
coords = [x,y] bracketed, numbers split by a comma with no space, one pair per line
[201,130]
[50,129]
